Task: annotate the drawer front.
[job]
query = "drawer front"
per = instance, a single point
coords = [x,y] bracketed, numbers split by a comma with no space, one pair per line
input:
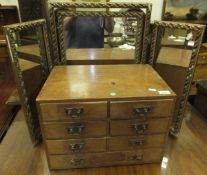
[75,146]
[105,159]
[200,72]
[134,127]
[86,160]
[133,143]
[74,111]
[144,155]
[140,109]
[75,130]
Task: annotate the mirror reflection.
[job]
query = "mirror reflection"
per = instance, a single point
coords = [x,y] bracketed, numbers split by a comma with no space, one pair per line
[100,38]
[173,59]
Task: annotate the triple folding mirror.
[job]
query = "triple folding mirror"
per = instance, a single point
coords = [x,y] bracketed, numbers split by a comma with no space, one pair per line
[119,34]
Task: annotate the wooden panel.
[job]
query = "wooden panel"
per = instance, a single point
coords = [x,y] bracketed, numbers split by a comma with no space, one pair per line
[101,82]
[3,52]
[202,58]
[133,143]
[105,159]
[125,127]
[200,72]
[60,130]
[52,112]
[158,108]
[82,146]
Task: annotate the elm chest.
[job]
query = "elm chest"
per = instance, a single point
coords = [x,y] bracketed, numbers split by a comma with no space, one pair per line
[104,115]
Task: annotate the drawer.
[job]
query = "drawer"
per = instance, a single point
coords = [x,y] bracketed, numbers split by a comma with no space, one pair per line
[133,143]
[140,109]
[105,159]
[75,130]
[134,127]
[75,146]
[144,156]
[200,72]
[73,111]
[86,160]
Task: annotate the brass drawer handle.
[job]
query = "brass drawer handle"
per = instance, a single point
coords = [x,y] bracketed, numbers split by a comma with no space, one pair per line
[77,147]
[136,142]
[141,111]
[78,162]
[76,129]
[136,157]
[74,112]
[140,128]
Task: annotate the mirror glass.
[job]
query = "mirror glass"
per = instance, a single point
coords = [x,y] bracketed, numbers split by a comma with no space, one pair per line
[173,58]
[84,39]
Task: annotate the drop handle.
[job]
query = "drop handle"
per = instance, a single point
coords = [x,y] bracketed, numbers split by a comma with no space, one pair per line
[140,128]
[77,147]
[76,129]
[141,111]
[136,142]
[74,112]
[78,162]
[136,157]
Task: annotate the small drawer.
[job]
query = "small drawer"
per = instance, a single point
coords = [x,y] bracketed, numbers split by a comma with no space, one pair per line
[133,143]
[144,156]
[76,146]
[141,109]
[73,111]
[75,130]
[134,127]
[86,160]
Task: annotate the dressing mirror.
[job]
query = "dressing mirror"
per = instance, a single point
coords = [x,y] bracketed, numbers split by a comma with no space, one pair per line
[30,70]
[130,23]
[174,51]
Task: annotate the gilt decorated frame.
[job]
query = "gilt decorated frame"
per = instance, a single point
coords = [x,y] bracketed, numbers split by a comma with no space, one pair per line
[45,62]
[155,47]
[63,8]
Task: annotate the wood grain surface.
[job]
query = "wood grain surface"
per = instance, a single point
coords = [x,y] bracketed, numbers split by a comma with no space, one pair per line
[103,82]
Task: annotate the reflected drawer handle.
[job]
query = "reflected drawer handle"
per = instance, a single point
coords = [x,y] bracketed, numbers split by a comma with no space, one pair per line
[142,111]
[136,142]
[77,147]
[140,128]
[76,129]
[135,157]
[74,112]
[78,162]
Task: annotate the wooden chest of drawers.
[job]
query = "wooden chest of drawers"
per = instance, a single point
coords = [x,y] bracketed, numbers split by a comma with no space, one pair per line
[95,116]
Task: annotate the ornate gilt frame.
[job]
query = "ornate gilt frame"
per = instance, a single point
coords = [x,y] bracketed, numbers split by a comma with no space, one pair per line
[57,7]
[45,62]
[155,46]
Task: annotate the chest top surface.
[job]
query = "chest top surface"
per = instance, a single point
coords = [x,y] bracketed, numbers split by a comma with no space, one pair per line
[102,82]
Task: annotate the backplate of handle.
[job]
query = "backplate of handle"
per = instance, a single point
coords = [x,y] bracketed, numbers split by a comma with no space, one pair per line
[136,157]
[74,112]
[76,129]
[141,111]
[76,147]
[78,162]
[136,142]
[140,127]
